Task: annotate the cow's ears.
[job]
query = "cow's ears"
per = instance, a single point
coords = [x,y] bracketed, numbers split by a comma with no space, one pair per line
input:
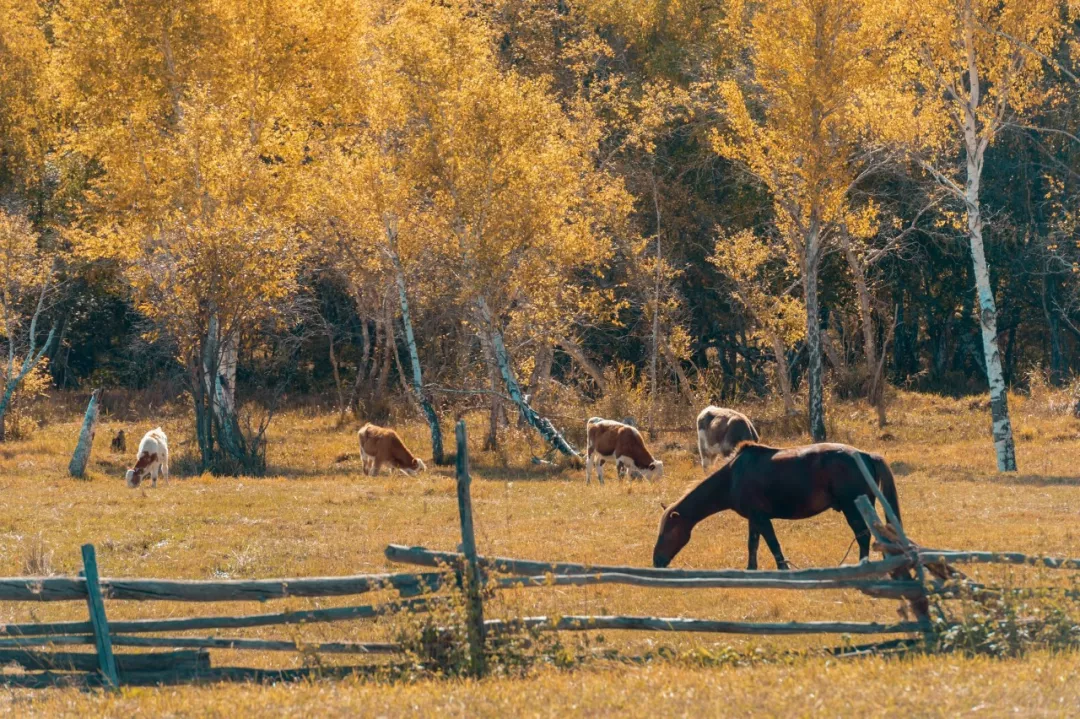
[663,506]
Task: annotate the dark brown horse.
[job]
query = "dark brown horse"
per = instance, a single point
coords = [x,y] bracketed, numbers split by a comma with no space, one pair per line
[765,483]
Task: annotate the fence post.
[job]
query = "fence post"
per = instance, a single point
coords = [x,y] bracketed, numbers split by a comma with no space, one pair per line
[100,624]
[468,548]
[81,457]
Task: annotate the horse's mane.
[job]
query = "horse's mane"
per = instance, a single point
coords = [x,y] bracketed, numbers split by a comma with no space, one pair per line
[750,445]
[746,446]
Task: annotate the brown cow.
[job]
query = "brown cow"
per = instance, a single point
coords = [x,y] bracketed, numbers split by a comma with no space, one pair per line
[719,432]
[608,439]
[379,446]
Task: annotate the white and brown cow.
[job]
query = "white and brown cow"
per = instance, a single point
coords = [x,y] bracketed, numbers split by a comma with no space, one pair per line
[153,459]
[719,432]
[608,439]
[379,446]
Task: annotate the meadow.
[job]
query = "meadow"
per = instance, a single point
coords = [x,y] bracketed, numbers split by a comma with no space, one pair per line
[317,514]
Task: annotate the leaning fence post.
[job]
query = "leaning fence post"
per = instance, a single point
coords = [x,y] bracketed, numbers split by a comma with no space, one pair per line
[468,548]
[77,467]
[100,624]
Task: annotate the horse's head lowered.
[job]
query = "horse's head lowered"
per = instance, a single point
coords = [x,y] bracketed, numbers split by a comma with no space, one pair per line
[673,535]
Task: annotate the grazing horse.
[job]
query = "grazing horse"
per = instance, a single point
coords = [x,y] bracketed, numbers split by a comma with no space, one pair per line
[765,483]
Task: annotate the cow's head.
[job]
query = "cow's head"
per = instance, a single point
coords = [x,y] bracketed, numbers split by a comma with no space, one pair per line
[135,475]
[654,471]
[672,536]
[417,467]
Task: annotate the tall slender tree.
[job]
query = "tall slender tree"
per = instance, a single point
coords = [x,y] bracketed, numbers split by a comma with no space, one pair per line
[799,128]
[983,61]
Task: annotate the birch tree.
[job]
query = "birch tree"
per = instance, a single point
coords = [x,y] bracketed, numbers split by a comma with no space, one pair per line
[26,282]
[762,282]
[511,187]
[981,59]
[199,112]
[799,127]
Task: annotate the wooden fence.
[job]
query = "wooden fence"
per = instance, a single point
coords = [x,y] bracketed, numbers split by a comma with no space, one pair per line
[907,572]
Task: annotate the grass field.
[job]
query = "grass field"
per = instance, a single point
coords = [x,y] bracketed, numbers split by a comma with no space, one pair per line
[319,516]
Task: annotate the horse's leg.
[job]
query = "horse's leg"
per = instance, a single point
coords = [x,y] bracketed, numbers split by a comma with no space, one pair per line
[764,525]
[752,546]
[858,525]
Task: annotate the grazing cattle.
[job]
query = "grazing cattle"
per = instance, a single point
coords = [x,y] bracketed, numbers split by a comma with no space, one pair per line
[119,442]
[765,483]
[153,459]
[379,446]
[608,439]
[719,432]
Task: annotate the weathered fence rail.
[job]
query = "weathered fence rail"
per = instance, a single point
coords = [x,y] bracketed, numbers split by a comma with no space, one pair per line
[23,643]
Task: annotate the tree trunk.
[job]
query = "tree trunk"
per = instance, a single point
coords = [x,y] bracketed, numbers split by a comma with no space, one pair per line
[680,376]
[783,374]
[502,359]
[414,359]
[491,441]
[5,403]
[79,460]
[334,365]
[541,374]
[577,354]
[234,453]
[816,402]
[361,368]
[387,347]
[1001,428]
[1053,326]
[874,376]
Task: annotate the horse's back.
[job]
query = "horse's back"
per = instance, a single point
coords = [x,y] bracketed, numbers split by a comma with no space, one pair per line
[800,482]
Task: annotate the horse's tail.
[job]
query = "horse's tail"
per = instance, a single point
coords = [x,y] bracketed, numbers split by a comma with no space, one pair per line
[886,484]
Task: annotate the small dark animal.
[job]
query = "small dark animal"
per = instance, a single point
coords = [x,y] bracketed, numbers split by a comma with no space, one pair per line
[720,431]
[119,442]
[765,483]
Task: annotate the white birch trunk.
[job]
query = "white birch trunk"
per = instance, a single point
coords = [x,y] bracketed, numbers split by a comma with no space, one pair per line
[502,360]
[975,150]
[816,400]
[1001,427]
[79,460]
[414,359]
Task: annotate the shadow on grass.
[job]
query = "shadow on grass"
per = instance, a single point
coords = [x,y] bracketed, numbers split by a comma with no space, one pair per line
[51,679]
[1035,480]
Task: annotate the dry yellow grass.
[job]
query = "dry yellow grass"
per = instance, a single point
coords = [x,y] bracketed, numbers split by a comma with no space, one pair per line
[316,516]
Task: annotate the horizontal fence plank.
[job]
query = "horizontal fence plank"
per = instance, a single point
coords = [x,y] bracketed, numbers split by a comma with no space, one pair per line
[185,659]
[891,589]
[431,558]
[664,624]
[54,589]
[267,645]
[305,616]
[950,556]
